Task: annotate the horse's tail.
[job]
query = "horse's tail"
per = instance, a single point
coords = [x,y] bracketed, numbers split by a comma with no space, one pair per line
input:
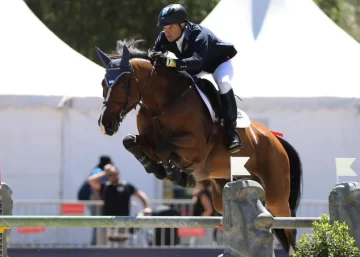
[295,188]
[295,175]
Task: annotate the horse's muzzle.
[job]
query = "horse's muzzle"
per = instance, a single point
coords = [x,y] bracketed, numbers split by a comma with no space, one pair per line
[108,126]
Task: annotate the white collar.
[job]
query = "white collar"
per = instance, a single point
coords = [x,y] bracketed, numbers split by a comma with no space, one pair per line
[179,42]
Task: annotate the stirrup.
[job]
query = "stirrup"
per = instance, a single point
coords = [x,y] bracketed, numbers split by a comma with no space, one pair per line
[233,148]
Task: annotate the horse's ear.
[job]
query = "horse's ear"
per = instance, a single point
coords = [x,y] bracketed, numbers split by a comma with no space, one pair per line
[103,57]
[125,59]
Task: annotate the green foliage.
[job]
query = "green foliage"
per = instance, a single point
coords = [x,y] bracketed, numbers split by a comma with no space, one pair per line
[327,241]
[332,8]
[351,14]
[84,24]
[345,13]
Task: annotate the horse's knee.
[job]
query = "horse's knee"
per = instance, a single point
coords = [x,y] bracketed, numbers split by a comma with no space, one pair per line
[130,144]
[217,201]
[218,206]
[150,166]
[217,187]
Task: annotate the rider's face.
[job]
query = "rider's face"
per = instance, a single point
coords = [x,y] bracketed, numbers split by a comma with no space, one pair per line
[173,31]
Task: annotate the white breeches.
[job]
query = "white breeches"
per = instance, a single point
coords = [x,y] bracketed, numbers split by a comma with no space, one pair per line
[223,76]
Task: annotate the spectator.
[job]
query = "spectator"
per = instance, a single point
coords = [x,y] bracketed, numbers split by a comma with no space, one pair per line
[116,195]
[165,236]
[86,193]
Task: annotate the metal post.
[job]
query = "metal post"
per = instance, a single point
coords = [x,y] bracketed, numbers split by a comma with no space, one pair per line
[6,206]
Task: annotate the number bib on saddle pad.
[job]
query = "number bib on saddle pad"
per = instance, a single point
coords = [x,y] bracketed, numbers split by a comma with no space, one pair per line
[242,120]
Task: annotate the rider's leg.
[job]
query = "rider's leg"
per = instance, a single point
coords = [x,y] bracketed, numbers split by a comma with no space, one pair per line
[223,76]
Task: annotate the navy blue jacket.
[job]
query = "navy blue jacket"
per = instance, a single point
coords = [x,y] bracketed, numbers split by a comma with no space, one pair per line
[201,49]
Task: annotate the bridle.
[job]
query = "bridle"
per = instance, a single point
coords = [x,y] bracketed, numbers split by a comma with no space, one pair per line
[139,102]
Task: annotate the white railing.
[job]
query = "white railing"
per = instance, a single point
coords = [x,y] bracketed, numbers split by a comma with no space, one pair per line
[81,237]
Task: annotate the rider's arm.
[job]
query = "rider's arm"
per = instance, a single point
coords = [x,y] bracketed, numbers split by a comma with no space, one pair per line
[143,198]
[200,46]
[95,183]
[159,42]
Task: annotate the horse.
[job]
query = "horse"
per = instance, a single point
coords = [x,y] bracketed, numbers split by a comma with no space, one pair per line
[182,138]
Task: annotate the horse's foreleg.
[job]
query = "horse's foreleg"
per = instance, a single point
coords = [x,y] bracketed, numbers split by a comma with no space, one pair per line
[143,153]
[182,178]
[175,172]
[134,146]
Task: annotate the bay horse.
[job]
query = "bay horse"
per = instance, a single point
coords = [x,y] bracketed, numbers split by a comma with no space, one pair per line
[181,137]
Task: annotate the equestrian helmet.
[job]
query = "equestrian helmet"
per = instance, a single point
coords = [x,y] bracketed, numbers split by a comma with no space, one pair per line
[172,14]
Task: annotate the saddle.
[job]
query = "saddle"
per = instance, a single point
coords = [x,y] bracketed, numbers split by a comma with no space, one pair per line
[211,93]
[211,97]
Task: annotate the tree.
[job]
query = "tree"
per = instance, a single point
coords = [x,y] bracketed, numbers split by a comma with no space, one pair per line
[84,24]
[332,8]
[345,13]
[351,14]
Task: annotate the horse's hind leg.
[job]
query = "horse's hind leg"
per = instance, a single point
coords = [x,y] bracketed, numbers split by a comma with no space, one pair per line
[217,186]
[276,182]
[276,202]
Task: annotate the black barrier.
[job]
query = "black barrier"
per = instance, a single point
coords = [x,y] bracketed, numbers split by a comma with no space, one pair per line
[116,252]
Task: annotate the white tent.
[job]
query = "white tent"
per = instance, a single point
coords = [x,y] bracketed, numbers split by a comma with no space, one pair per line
[46,152]
[298,73]
[38,62]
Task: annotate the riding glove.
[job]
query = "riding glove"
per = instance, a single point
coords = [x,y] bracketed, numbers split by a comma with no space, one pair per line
[162,59]
[159,57]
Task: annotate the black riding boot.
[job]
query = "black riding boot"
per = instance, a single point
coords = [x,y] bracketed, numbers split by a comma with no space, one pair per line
[229,110]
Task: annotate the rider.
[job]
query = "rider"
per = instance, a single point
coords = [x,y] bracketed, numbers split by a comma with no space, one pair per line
[197,50]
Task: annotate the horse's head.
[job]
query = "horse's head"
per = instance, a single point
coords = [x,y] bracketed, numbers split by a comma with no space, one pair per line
[117,91]
[127,84]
